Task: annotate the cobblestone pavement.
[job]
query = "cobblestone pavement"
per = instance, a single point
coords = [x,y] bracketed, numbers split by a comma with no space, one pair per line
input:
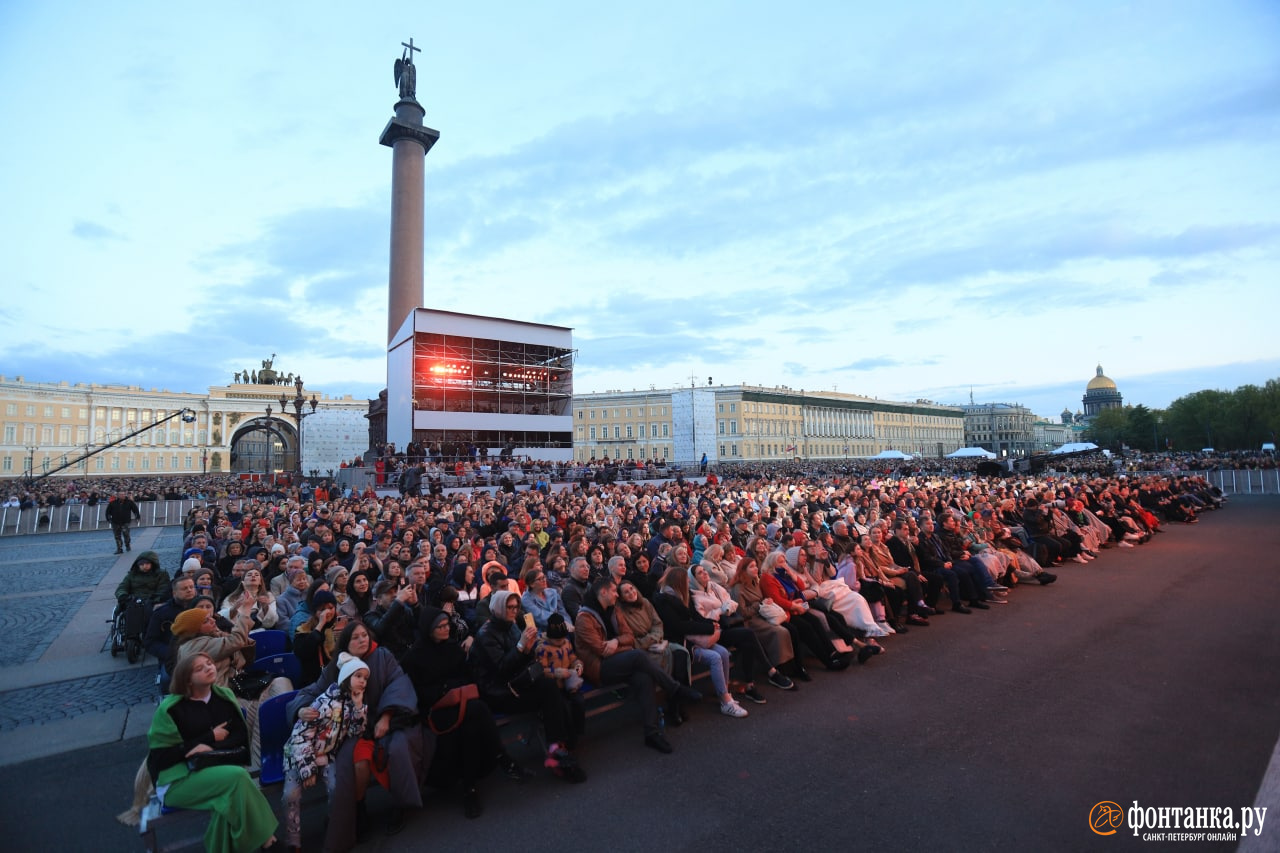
[44,582]
[30,623]
[63,700]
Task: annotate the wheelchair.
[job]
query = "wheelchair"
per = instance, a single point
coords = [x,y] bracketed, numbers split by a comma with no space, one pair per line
[128,625]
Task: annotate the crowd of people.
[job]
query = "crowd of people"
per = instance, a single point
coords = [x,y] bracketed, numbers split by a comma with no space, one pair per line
[416,619]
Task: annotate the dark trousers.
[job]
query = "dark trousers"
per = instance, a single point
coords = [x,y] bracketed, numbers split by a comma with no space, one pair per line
[807,632]
[545,699]
[121,532]
[639,671]
[745,645]
[469,752]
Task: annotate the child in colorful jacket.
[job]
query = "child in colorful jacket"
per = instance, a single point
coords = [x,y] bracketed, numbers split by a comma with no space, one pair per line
[342,714]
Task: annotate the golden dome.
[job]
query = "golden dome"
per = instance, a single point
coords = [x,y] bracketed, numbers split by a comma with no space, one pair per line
[1100,382]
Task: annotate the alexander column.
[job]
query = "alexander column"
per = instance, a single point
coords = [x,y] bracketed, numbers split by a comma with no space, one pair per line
[409,140]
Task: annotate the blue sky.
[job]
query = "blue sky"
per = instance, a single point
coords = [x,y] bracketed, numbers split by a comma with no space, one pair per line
[903,203]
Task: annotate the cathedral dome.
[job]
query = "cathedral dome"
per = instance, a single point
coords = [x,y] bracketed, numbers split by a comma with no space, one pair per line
[1100,382]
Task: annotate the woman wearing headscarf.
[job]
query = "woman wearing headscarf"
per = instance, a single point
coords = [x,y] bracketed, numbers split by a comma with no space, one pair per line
[502,659]
[468,745]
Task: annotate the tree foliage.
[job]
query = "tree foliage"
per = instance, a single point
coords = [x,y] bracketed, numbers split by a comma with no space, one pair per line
[1225,420]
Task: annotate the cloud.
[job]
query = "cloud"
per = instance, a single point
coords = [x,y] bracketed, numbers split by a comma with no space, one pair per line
[93,231]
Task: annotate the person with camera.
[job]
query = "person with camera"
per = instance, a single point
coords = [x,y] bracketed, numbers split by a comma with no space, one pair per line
[512,682]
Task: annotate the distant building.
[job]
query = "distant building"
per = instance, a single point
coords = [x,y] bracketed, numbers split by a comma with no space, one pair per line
[747,423]
[44,423]
[1101,393]
[1002,428]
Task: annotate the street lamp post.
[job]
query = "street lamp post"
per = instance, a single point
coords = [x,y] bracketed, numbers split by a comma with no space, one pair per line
[298,402]
[269,469]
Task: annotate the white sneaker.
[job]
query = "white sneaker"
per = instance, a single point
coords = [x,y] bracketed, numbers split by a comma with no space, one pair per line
[886,627]
[1125,544]
[1079,559]
[732,709]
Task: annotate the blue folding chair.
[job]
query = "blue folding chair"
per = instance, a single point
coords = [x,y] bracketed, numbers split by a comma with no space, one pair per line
[273,731]
[269,642]
[285,663]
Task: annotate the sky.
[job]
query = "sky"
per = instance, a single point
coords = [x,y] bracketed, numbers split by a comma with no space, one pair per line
[905,201]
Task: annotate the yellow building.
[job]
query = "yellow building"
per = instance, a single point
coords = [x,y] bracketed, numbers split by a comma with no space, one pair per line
[745,423]
[45,424]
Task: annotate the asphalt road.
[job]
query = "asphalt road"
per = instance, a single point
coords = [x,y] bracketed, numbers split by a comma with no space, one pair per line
[1152,675]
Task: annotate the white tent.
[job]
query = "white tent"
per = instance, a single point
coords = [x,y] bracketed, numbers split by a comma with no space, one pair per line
[891,454]
[1076,447]
[966,452]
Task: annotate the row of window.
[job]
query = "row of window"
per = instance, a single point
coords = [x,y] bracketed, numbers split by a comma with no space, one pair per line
[100,463]
[582,454]
[100,435]
[631,429]
[651,411]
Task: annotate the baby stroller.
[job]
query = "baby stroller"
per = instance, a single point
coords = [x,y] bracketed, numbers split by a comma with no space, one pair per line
[128,624]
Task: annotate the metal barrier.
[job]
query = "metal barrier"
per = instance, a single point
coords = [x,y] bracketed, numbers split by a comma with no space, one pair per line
[71,518]
[1244,481]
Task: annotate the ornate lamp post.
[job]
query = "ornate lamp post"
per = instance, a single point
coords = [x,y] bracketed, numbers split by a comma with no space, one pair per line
[298,402]
[270,472]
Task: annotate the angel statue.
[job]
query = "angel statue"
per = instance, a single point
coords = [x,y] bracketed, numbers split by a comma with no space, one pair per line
[407,73]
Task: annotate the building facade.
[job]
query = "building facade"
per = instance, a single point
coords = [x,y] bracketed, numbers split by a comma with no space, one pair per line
[46,424]
[745,423]
[1004,429]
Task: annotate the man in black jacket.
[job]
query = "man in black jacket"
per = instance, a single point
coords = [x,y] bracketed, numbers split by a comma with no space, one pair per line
[120,511]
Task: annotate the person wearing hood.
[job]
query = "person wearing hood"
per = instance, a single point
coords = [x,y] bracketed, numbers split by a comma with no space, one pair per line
[292,596]
[468,745]
[232,552]
[501,659]
[609,655]
[145,580]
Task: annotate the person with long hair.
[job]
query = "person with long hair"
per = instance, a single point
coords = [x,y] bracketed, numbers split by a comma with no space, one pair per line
[391,731]
[701,636]
[776,638]
[199,717]
[262,612]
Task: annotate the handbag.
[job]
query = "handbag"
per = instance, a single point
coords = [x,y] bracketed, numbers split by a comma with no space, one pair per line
[249,685]
[457,697]
[771,612]
[526,678]
[218,757]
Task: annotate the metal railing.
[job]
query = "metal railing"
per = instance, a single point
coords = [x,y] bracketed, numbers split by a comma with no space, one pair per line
[1243,481]
[71,518]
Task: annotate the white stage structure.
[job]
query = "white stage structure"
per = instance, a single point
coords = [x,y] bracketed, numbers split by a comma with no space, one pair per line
[461,379]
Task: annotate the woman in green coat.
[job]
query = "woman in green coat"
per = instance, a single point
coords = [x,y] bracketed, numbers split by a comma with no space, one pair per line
[198,717]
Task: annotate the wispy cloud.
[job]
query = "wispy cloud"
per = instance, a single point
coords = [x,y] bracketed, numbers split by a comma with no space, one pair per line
[93,231]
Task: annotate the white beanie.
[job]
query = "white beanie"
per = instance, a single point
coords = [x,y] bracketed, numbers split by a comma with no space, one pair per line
[191,565]
[348,664]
